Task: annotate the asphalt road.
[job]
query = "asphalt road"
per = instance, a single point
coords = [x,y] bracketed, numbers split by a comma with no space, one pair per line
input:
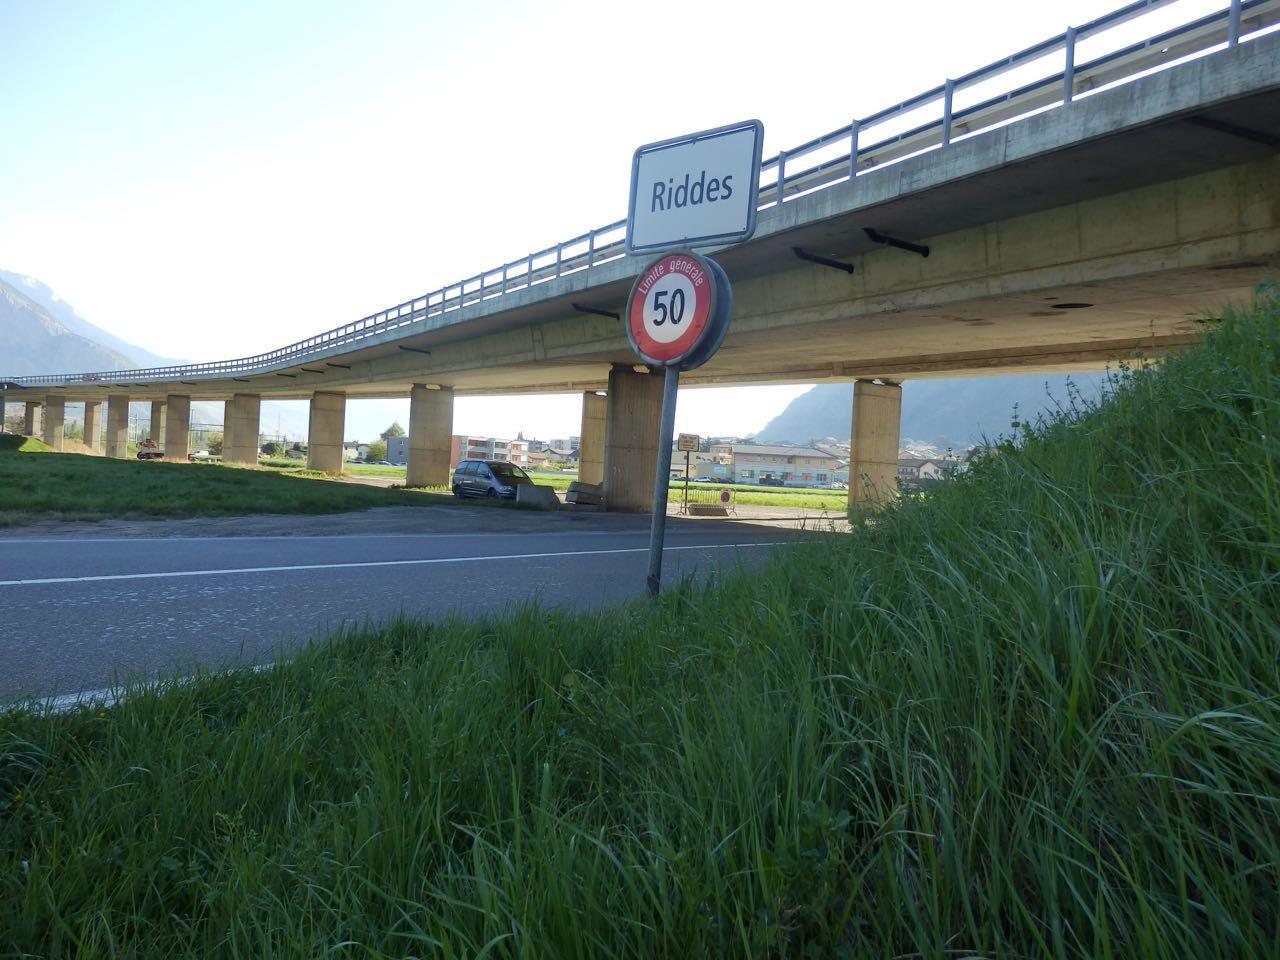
[81,614]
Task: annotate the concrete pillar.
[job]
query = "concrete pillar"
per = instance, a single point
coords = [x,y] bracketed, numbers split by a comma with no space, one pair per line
[156,430]
[631,439]
[91,421]
[240,429]
[324,432]
[430,436]
[31,419]
[117,439]
[55,411]
[595,409]
[177,427]
[873,463]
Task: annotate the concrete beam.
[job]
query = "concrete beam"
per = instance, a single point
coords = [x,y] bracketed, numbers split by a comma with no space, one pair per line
[177,427]
[595,411]
[55,410]
[92,423]
[873,466]
[430,436]
[117,439]
[631,439]
[156,430]
[240,429]
[31,419]
[324,432]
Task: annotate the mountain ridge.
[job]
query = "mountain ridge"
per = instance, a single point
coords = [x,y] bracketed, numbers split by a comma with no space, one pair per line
[950,413]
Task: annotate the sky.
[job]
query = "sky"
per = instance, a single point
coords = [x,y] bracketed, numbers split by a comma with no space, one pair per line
[214,179]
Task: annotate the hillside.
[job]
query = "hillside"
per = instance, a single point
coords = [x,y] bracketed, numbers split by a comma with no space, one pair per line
[42,334]
[953,413]
[40,293]
[1035,713]
[33,340]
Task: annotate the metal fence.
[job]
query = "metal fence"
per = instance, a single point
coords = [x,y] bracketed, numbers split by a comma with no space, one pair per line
[1063,70]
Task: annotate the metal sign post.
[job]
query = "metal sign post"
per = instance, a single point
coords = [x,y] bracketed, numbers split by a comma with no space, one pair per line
[694,190]
[688,442]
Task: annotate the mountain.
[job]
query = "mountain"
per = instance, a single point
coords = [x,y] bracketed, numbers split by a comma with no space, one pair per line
[65,314]
[41,334]
[954,413]
[35,342]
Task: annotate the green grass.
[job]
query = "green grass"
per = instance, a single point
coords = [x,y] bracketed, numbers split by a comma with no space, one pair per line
[36,486]
[1035,713]
[12,443]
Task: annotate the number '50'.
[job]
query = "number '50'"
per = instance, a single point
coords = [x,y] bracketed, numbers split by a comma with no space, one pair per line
[673,312]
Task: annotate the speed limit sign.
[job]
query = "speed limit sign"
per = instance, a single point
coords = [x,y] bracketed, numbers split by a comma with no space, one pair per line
[677,316]
[679,309]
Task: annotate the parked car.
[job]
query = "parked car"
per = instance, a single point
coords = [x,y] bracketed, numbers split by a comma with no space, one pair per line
[199,455]
[488,478]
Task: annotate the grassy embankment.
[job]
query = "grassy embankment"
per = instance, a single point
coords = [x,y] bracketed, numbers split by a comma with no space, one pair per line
[1036,714]
[35,485]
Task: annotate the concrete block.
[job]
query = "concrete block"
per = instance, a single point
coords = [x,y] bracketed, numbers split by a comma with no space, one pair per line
[585,493]
[538,495]
[707,510]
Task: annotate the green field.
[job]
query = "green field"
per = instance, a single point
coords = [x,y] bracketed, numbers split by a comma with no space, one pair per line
[1035,713]
[36,485]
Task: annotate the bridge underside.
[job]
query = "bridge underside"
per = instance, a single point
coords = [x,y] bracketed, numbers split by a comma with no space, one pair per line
[1074,287]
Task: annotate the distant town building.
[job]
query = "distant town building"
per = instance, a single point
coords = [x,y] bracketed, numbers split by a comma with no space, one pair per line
[352,450]
[488,448]
[783,466]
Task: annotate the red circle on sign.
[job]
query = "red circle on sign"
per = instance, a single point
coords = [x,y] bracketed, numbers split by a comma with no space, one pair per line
[671,303]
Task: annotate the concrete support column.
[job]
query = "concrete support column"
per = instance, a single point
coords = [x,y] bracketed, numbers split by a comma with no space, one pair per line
[91,422]
[631,439]
[117,439]
[595,409]
[177,427]
[31,419]
[324,432]
[873,463]
[156,430]
[226,428]
[430,433]
[240,429]
[55,411]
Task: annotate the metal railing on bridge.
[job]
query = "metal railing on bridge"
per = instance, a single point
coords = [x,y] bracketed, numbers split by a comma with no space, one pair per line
[860,146]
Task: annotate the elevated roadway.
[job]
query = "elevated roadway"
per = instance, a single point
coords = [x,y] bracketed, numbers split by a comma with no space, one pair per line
[1098,213]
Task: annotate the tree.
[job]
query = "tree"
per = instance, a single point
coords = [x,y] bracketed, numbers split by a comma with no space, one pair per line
[377,450]
[214,444]
[395,430]
[273,448]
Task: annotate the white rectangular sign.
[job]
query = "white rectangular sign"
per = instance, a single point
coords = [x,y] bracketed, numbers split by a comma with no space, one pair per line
[687,442]
[695,190]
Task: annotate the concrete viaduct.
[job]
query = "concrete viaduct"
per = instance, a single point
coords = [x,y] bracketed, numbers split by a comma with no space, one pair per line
[1092,216]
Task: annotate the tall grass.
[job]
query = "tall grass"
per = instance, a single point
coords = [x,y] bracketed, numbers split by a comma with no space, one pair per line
[1035,715]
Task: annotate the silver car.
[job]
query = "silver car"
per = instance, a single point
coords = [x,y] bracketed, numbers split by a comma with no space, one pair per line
[488,478]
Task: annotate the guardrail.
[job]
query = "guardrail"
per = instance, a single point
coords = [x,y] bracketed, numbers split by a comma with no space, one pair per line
[835,157]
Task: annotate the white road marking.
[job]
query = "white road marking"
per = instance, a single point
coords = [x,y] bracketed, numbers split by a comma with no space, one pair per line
[370,563]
